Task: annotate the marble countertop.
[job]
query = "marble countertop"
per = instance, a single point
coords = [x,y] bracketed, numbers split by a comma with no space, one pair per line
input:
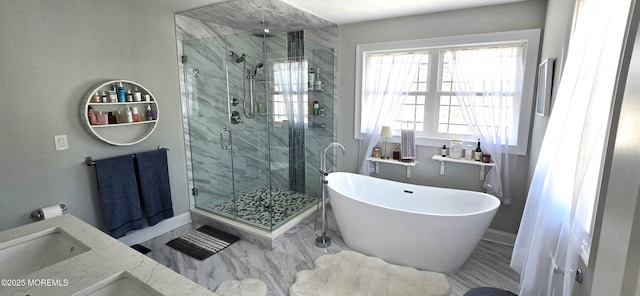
[106,260]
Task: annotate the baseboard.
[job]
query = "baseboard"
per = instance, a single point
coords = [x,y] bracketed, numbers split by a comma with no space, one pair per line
[164,226]
[501,237]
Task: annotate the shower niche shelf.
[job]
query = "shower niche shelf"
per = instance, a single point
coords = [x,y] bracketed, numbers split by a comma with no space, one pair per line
[120,134]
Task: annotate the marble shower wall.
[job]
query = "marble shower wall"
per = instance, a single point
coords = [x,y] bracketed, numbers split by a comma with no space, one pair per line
[206,35]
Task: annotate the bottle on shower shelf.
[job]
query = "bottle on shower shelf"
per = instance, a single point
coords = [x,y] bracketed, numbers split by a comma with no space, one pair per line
[311,79]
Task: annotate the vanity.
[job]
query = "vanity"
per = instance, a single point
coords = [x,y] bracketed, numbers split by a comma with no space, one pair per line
[66,256]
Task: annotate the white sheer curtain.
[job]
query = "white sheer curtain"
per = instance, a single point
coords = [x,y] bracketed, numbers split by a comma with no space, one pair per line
[290,79]
[488,83]
[387,77]
[560,203]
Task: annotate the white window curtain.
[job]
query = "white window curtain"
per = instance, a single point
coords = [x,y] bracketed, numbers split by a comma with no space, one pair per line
[488,84]
[290,79]
[387,78]
[557,214]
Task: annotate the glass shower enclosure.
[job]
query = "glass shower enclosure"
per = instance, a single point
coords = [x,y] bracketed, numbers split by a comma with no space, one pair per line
[259,108]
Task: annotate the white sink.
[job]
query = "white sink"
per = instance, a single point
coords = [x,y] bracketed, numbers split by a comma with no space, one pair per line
[123,284]
[36,251]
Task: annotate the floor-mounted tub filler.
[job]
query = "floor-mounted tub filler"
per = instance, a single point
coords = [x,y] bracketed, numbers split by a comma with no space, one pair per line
[424,227]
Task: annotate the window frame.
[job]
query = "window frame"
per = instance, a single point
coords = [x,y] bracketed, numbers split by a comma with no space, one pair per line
[530,39]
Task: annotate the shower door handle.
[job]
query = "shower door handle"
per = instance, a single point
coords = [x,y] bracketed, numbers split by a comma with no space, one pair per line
[222,145]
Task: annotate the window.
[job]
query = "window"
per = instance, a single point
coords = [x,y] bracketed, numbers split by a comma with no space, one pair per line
[430,101]
[290,97]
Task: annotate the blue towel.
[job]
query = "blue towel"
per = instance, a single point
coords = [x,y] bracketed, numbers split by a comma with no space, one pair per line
[153,178]
[119,197]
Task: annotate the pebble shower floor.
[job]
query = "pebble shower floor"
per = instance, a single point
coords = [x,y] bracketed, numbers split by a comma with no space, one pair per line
[254,207]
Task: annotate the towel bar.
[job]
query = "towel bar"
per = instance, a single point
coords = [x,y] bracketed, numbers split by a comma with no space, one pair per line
[91,162]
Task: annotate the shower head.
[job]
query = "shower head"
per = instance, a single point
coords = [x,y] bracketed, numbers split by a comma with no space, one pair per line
[262,34]
[265,32]
[237,58]
[251,74]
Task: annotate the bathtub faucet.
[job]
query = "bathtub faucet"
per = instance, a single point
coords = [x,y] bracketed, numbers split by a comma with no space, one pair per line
[323,159]
[322,239]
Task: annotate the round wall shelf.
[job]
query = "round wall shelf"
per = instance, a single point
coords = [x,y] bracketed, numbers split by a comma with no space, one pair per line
[110,123]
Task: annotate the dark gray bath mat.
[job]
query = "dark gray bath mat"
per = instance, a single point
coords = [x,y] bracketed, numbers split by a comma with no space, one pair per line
[487,291]
[203,242]
[140,248]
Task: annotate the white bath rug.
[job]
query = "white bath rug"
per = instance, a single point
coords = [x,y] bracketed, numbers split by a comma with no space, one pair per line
[351,273]
[250,287]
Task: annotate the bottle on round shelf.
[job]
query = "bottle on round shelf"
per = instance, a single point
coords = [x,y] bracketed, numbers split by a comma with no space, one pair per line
[149,113]
[95,98]
[129,115]
[134,114]
[112,118]
[93,120]
[477,155]
[444,151]
[102,118]
[120,90]
[113,97]
[137,95]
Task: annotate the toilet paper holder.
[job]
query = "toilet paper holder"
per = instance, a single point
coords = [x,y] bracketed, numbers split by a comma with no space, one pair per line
[37,214]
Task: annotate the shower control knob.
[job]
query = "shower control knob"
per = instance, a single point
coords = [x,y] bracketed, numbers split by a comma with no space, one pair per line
[235,117]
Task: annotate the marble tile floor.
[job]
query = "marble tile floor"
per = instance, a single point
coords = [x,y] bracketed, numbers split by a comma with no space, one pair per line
[487,266]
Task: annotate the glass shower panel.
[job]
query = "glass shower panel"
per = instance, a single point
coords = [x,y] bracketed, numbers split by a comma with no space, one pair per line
[207,116]
[269,174]
[250,135]
[229,138]
[250,93]
[320,127]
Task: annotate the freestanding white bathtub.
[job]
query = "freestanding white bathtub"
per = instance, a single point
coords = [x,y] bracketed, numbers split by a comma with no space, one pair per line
[427,228]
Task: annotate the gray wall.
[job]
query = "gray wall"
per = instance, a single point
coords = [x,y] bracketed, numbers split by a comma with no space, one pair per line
[54,51]
[517,16]
[554,45]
